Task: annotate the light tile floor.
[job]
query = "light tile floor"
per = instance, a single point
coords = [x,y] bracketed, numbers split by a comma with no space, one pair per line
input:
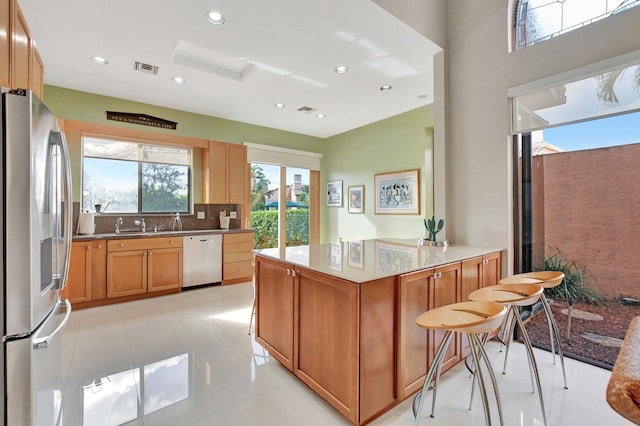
[186,359]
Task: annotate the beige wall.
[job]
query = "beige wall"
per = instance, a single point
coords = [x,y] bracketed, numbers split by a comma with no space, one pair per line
[480,70]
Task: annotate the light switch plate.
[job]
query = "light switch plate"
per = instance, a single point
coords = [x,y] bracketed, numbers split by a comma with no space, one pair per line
[200,215]
[233,215]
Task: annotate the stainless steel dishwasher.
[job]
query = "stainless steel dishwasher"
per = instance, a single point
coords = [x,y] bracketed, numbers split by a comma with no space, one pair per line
[201,260]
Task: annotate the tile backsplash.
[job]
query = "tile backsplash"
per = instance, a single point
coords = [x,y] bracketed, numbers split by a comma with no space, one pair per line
[105,223]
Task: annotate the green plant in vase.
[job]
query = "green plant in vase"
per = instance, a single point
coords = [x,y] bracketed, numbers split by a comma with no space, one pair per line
[432,228]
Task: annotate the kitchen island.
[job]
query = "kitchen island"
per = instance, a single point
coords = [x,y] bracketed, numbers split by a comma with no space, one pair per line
[341,316]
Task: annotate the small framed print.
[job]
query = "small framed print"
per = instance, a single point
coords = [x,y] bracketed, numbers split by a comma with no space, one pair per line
[334,193]
[356,199]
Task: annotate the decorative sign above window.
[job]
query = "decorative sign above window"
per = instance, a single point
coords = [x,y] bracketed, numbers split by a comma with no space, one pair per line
[143,119]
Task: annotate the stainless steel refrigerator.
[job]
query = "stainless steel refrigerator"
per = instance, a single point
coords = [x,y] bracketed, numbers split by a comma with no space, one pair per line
[36,220]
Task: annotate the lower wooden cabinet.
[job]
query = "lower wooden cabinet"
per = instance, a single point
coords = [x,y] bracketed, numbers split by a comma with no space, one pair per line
[132,268]
[418,292]
[87,272]
[336,336]
[237,257]
[428,289]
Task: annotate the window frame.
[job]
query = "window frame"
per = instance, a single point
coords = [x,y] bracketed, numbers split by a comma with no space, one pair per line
[140,163]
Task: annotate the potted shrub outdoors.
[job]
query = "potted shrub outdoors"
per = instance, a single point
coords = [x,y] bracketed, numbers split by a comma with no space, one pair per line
[432,229]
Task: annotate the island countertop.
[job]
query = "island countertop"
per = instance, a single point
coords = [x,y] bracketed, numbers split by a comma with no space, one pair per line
[367,260]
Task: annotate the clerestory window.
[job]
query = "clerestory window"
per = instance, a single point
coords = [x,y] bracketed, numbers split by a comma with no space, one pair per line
[539,20]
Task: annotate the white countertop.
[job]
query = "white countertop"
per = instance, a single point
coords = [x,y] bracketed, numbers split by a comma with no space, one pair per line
[367,260]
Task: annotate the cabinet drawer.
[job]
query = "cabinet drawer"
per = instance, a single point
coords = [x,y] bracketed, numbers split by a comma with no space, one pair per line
[237,247]
[238,237]
[143,243]
[237,257]
[231,271]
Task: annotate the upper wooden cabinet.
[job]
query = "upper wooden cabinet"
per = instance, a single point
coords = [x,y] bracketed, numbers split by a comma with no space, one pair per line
[21,66]
[5,43]
[225,174]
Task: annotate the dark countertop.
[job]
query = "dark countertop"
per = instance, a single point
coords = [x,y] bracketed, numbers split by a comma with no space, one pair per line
[152,234]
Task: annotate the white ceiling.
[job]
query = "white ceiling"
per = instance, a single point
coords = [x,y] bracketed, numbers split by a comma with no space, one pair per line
[294,44]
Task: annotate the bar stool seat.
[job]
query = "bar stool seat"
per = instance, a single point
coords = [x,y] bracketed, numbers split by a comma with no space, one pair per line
[547,279]
[514,295]
[472,318]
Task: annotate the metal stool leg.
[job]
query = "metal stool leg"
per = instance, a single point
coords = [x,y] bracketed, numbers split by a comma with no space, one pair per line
[532,360]
[554,327]
[253,312]
[437,382]
[483,354]
[442,349]
[509,337]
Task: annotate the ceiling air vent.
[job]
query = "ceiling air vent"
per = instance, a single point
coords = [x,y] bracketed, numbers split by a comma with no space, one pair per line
[145,68]
[306,109]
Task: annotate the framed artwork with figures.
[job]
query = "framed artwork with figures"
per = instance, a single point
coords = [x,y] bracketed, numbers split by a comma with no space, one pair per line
[397,192]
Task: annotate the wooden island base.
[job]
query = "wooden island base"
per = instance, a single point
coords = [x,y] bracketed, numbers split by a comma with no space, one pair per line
[352,338]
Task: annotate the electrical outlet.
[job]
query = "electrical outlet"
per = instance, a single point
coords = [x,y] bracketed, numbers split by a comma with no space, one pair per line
[233,215]
[200,215]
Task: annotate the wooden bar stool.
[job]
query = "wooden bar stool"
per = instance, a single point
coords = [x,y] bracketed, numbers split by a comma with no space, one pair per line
[472,318]
[547,279]
[514,295]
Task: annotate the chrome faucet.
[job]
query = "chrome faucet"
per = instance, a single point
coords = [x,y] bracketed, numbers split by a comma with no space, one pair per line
[143,225]
[177,222]
[118,223]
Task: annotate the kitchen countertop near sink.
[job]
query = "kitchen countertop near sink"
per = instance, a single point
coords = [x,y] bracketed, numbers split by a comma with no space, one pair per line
[151,234]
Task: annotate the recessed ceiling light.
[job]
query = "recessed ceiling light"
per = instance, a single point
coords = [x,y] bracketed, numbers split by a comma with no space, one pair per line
[341,69]
[321,115]
[99,60]
[215,18]
[279,105]
[178,80]
[386,87]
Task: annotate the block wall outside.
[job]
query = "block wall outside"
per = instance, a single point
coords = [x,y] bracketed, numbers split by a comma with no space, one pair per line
[592,215]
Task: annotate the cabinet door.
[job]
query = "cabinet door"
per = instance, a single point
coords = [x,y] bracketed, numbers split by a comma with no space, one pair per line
[274,324]
[472,273]
[326,340]
[36,76]
[99,270]
[236,174]
[413,292]
[79,283]
[217,173]
[445,290]
[20,52]
[5,42]
[491,269]
[164,269]
[126,273]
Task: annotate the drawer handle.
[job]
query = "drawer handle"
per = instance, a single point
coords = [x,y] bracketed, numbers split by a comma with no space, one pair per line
[121,245]
[171,242]
[88,247]
[99,246]
[150,254]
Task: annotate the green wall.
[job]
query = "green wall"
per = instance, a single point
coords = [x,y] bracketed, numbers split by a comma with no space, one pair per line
[90,108]
[398,143]
[402,142]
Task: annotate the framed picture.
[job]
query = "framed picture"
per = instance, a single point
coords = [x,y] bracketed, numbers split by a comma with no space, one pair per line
[334,193]
[356,199]
[356,254]
[397,193]
[395,258]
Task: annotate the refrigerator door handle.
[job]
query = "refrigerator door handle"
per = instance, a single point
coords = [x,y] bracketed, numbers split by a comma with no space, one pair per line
[43,342]
[57,138]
